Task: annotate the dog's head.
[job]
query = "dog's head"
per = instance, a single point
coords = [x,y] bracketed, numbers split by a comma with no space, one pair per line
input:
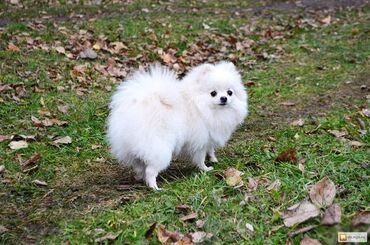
[219,86]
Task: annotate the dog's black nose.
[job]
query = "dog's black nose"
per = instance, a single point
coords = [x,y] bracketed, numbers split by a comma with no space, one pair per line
[223,99]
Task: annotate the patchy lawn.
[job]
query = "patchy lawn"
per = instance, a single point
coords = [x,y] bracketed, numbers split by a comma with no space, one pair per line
[306,67]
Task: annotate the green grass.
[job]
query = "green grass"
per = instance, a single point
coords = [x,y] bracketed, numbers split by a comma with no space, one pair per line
[82,194]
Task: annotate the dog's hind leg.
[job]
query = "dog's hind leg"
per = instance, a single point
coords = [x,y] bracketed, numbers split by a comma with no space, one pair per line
[154,166]
[198,160]
[139,169]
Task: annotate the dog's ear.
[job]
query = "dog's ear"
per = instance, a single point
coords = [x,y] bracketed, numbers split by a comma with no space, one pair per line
[202,71]
[227,65]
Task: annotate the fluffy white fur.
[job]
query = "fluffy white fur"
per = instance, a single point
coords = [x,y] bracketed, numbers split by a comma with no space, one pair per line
[154,117]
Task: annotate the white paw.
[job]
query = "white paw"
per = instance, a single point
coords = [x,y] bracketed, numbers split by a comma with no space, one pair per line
[213,159]
[206,169]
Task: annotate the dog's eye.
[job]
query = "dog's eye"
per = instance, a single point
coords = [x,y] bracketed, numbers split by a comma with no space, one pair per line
[213,93]
[229,92]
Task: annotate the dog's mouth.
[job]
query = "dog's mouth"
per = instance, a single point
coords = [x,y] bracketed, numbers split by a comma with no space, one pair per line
[223,103]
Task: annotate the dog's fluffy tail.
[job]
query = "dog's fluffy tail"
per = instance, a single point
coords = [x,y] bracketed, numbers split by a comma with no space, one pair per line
[141,84]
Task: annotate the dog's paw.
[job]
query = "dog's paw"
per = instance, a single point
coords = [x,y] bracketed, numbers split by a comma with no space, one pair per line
[206,169]
[213,159]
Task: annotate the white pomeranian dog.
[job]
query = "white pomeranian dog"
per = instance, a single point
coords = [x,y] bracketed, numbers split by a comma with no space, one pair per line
[155,117]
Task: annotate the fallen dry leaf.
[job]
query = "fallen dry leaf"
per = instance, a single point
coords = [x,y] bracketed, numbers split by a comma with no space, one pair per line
[326,20]
[299,122]
[60,50]
[274,185]
[167,58]
[108,237]
[183,207]
[88,53]
[287,156]
[323,192]
[233,177]
[288,103]
[301,230]
[252,183]
[117,47]
[4,138]
[199,223]
[337,133]
[63,140]
[2,169]
[355,143]
[309,241]
[299,213]
[366,112]
[189,217]
[332,215]
[167,237]
[39,182]
[16,145]
[12,48]
[200,236]
[63,108]
[361,218]
[249,228]
[96,146]
[149,232]
[3,229]
[32,160]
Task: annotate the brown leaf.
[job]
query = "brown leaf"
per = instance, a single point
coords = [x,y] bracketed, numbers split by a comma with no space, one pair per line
[338,134]
[287,156]
[299,213]
[249,83]
[12,48]
[39,182]
[183,207]
[96,146]
[332,215]
[323,192]
[108,237]
[309,241]
[299,122]
[252,183]
[366,112]
[3,229]
[117,47]
[326,20]
[36,122]
[287,103]
[355,143]
[167,58]
[2,169]
[361,218]
[189,217]
[149,232]
[63,108]
[274,185]
[4,138]
[200,236]
[16,145]
[88,53]
[60,50]
[199,223]
[166,237]
[233,176]
[32,160]
[63,140]
[301,230]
